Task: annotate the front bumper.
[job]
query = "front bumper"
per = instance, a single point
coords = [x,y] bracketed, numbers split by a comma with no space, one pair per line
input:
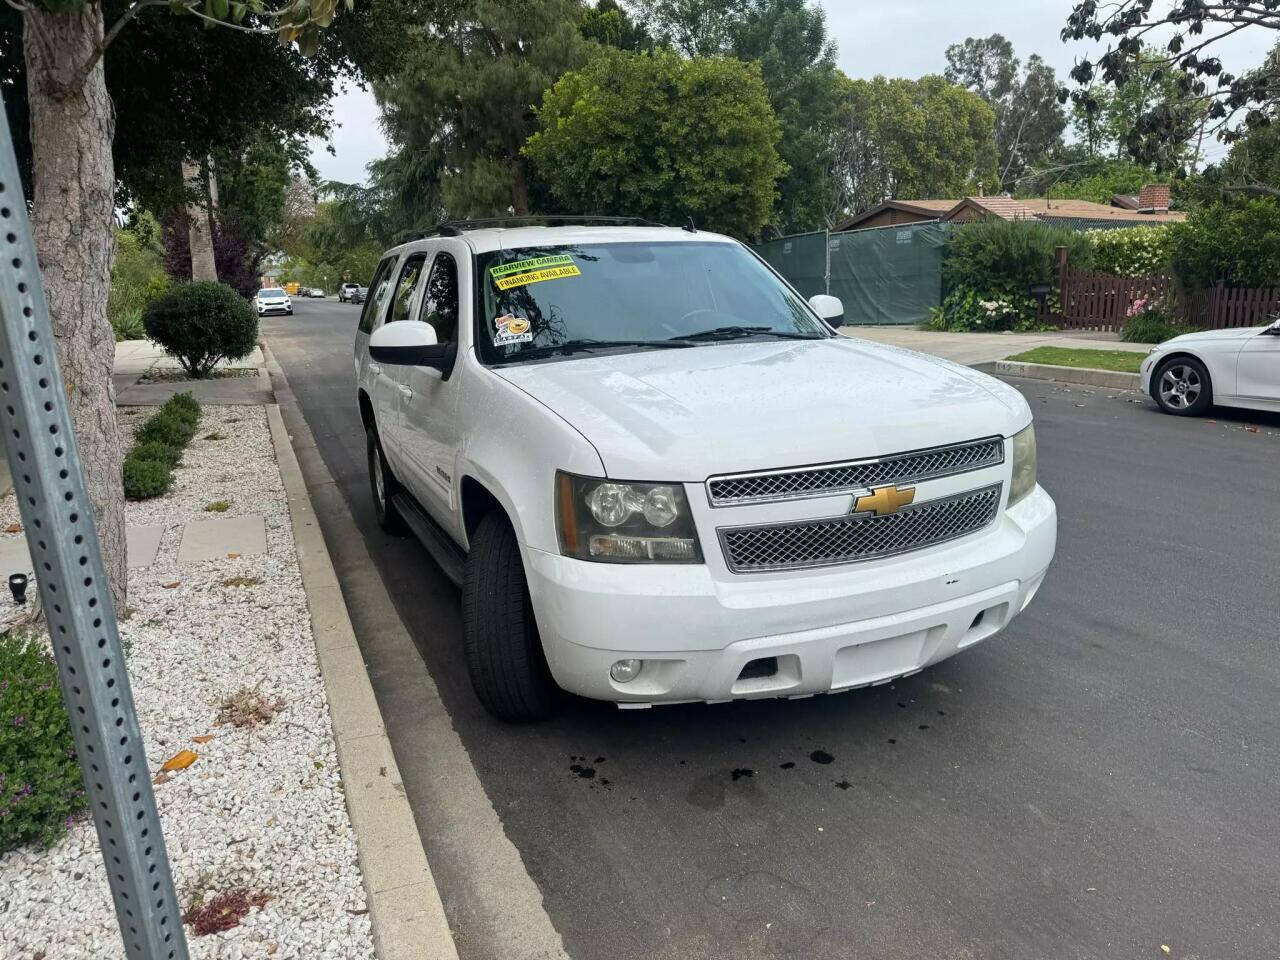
[820,630]
[265,308]
[1147,368]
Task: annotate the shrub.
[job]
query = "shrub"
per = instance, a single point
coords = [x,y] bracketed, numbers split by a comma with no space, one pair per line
[166,427]
[200,323]
[127,325]
[1236,244]
[1150,321]
[40,783]
[144,479]
[183,406]
[155,450]
[964,310]
[1006,257]
[137,277]
[1131,251]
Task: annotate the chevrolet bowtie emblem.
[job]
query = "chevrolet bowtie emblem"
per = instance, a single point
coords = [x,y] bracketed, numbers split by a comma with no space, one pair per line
[883,501]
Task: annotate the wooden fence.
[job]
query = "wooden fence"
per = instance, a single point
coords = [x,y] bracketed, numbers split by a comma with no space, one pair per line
[1100,301]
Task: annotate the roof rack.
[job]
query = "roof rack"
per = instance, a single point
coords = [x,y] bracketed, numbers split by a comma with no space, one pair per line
[452,228]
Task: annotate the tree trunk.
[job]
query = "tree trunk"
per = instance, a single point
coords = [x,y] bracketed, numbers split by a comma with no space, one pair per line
[73,200]
[519,190]
[203,265]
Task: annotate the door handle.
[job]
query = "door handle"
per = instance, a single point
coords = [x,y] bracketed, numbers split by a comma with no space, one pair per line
[375,369]
[406,392]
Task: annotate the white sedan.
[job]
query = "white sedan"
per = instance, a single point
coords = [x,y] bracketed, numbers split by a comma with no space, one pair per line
[1233,368]
[273,300]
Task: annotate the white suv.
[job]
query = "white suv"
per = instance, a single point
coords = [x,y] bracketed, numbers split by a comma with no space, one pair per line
[659,476]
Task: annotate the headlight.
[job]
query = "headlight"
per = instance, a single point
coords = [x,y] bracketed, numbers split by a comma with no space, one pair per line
[612,522]
[1024,464]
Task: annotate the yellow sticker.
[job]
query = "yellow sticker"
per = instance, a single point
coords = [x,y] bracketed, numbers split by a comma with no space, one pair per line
[511,329]
[536,276]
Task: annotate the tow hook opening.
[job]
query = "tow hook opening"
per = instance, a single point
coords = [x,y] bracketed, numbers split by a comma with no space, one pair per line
[758,669]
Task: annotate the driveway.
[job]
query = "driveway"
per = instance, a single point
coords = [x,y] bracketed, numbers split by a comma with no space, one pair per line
[1097,782]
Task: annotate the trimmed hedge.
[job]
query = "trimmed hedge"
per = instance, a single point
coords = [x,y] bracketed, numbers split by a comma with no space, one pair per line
[200,323]
[158,446]
[40,783]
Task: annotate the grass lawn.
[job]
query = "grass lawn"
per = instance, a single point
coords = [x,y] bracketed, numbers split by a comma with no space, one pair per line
[1124,361]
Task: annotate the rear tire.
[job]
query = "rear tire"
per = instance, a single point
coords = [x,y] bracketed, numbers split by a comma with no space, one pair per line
[1181,386]
[504,652]
[382,484]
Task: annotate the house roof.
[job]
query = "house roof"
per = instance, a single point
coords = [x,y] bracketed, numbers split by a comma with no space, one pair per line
[931,209]
[1126,201]
[1027,208]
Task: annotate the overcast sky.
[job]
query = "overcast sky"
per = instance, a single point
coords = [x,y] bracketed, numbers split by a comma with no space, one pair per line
[903,38]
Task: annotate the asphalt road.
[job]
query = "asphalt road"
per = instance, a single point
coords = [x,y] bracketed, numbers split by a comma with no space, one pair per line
[1098,781]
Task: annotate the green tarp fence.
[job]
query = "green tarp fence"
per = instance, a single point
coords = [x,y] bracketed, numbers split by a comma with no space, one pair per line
[884,275]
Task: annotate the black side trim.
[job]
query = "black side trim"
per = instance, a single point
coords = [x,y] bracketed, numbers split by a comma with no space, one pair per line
[450,557]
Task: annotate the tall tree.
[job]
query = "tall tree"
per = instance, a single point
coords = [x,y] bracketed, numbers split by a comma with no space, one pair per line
[72,122]
[697,28]
[663,137]
[464,94]
[610,25]
[1191,33]
[913,139]
[1029,118]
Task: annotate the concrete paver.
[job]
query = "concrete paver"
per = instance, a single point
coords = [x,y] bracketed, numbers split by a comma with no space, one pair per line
[142,543]
[139,356]
[973,348]
[207,539]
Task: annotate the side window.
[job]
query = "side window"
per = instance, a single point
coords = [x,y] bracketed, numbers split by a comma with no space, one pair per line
[440,301]
[410,274]
[381,279]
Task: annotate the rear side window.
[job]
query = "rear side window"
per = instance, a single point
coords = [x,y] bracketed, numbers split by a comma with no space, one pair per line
[440,301]
[377,292]
[410,275]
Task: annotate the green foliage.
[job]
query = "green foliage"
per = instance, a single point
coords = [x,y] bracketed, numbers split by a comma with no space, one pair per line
[965,309]
[158,451]
[664,137]
[1152,326]
[462,98]
[40,783]
[1235,244]
[913,139]
[157,447]
[144,479]
[201,323]
[609,25]
[137,277]
[1005,257]
[1029,119]
[1124,361]
[1131,251]
[1073,175]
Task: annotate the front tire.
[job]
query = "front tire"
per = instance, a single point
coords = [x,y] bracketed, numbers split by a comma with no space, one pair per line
[382,484]
[504,652]
[1181,386]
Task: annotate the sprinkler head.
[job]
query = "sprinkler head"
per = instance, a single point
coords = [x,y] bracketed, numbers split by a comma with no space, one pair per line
[18,587]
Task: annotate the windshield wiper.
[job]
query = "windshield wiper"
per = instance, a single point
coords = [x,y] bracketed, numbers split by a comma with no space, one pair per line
[735,332]
[582,344]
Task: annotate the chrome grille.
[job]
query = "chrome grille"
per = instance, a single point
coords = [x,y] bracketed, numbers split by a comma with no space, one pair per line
[815,543]
[853,475]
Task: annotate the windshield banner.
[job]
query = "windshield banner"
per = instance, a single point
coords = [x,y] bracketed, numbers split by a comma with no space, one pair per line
[524,272]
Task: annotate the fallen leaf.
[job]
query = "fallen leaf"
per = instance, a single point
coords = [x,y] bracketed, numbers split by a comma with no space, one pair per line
[358,913]
[203,738]
[13,528]
[233,556]
[272,948]
[1252,429]
[161,778]
[180,760]
[1164,947]
[170,586]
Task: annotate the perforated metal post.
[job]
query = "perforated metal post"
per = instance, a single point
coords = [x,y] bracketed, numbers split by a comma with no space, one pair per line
[58,518]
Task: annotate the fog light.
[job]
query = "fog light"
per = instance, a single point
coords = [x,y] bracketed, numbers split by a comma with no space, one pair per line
[624,671]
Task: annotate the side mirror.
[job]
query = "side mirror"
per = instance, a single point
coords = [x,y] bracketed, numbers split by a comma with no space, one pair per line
[828,308]
[408,343]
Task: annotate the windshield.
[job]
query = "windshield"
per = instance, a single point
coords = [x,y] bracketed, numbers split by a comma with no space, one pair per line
[537,302]
[271,292]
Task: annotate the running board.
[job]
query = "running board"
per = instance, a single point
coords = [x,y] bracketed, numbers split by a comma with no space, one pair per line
[438,543]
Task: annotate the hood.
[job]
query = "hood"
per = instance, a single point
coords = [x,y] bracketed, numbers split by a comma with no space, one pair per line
[1200,336]
[685,414]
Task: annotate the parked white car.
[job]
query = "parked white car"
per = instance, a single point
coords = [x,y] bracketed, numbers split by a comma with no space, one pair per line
[1234,368]
[347,291]
[272,300]
[659,476]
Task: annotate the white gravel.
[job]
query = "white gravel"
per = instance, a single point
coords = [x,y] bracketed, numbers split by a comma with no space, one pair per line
[261,808]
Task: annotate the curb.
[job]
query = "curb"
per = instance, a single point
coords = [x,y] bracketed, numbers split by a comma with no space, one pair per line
[1086,376]
[405,910]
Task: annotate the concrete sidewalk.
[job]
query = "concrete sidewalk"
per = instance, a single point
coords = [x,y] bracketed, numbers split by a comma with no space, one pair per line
[146,376]
[975,348]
